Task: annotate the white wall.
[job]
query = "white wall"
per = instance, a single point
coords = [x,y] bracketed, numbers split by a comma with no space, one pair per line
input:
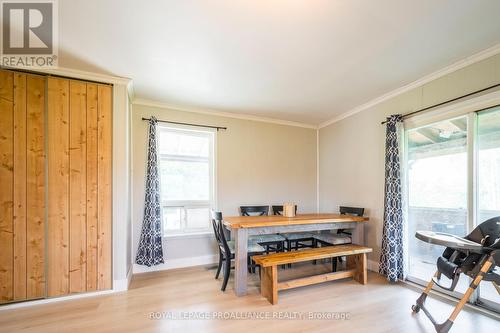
[257,163]
[352,150]
[122,233]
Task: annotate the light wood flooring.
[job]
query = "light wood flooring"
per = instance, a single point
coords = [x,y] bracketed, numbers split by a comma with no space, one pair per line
[375,307]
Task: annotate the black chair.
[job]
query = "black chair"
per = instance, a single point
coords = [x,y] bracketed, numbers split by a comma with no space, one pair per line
[254,210]
[341,237]
[294,240]
[226,250]
[354,211]
[273,242]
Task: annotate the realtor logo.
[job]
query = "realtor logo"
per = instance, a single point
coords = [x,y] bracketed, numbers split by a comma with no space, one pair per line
[29,34]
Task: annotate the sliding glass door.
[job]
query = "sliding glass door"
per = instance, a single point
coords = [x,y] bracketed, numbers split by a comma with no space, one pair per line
[452,185]
[437,190]
[488,180]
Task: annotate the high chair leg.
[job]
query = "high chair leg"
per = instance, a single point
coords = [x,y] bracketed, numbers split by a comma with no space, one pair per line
[472,287]
[446,326]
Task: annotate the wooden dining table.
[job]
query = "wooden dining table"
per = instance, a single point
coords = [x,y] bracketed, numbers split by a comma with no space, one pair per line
[243,226]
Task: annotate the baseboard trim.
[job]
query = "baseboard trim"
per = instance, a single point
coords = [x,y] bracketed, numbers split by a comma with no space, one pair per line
[372,266]
[130,274]
[123,284]
[118,286]
[29,303]
[177,263]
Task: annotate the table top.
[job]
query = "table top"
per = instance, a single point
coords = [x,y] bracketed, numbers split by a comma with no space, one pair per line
[236,222]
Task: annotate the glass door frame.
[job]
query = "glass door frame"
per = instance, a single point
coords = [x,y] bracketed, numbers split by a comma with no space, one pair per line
[471,160]
[472,184]
[476,296]
[471,108]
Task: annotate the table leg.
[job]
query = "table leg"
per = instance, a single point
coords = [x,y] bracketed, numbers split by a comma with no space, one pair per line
[240,258]
[358,234]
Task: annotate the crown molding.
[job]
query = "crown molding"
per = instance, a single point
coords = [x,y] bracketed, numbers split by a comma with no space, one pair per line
[85,75]
[487,53]
[151,103]
[79,74]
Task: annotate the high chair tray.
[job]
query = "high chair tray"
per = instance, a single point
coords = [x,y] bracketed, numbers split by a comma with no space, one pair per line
[448,240]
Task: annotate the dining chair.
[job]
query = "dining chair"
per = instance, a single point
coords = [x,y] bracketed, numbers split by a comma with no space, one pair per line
[294,240]
[272,242]
[226,250]
[254,210]
[341,237]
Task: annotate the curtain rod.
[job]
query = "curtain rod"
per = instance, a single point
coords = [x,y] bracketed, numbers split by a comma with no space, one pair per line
[189,124]
[407,115]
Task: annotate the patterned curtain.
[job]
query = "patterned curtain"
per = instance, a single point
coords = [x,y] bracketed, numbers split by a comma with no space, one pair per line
[391,258]
[150,251]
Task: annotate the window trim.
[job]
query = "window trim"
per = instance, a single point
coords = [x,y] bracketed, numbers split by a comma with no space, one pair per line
[211,203]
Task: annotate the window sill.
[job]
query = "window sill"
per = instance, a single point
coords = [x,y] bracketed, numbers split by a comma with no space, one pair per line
[201,234]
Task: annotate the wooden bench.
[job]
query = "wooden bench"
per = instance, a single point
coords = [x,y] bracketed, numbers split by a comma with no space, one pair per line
[269,285]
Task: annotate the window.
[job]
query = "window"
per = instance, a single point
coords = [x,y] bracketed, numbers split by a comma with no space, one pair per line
[187,179]
[452,184]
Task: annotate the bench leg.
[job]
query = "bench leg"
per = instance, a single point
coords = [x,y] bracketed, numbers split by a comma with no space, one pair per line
[358,262]
[269,284]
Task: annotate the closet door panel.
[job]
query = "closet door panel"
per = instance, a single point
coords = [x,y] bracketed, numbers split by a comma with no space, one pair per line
[19,170]
[58,187]
[22,176]
[35,185]
[92,187]
[7,180]
[79,225]
[78,186]
[104,172]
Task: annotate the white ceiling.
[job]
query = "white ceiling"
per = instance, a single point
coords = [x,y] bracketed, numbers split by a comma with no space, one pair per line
[298,60]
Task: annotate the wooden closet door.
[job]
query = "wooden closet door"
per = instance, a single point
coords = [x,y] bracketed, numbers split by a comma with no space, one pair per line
[92,205]
[104,186]
[79,175]
[67,229]
[22,175]
[35,187]
[7,181]
[58,182]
